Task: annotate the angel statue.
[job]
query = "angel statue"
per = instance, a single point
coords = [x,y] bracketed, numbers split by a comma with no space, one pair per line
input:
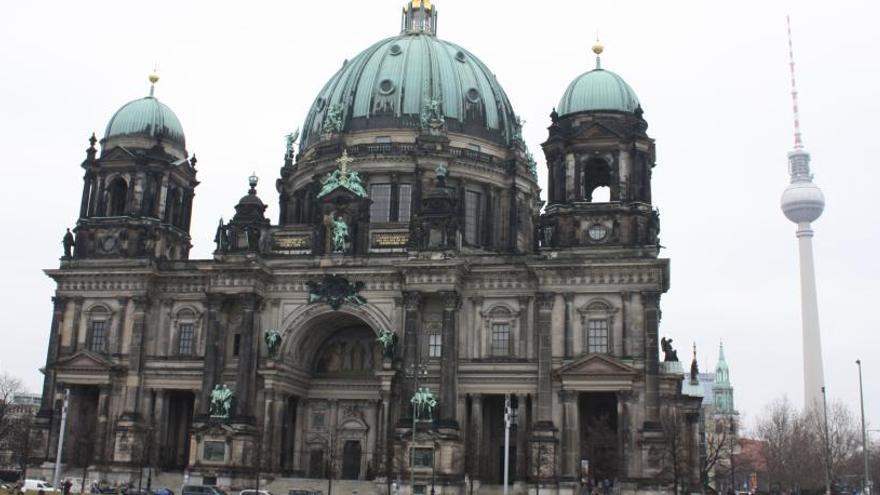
[221,402]
[387,338]
[340,235]
[423,402]
[273,341]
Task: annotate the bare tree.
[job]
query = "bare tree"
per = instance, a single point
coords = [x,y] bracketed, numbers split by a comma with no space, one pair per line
[720,446]
[10,386]
[844,436]
[675,454]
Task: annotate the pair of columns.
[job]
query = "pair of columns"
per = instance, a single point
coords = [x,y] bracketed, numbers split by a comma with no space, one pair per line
[412,322]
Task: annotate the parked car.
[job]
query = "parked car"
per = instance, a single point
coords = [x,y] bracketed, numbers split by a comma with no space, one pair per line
[37,485]
[201,490]
[255,492]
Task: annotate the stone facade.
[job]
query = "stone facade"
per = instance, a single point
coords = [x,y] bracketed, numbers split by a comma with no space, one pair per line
[446,247]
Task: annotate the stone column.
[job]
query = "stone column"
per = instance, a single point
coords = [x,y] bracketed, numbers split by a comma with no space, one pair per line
[412,301]
[382,446]
[520,471]
[570,433]
[213,361]
[650,302]
[103,451]
[58,305]
[476,437]
[120,327]
[625,337]
[569,331]
[298,432]
[74,327]
[246,375]
[449,360]
[545,302]
[476,334]
[135,360]
[524,328]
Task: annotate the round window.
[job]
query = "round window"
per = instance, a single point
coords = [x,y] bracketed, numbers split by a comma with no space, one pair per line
[319,104]
[386,87]
[460,56]
[597,232]
[395,49]
[473,95]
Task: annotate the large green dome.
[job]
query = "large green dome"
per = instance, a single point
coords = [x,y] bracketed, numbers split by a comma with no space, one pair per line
[598,89]
[146,117]
[389,84]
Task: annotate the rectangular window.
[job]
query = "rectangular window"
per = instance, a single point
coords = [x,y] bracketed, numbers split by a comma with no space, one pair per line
[404,202]
[423,457]
[318,420]
[471,216]
[186,339]
[98,336]
[500,339]
[215,451]
[597,336]
[380,209]
[435,345]
[236,344]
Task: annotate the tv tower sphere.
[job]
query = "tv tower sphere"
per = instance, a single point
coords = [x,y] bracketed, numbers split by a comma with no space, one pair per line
[802,200]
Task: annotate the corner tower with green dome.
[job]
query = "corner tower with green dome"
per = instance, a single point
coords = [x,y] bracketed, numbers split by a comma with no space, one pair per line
[138,191]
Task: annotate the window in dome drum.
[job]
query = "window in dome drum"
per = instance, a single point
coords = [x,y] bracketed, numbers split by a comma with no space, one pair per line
[471,216]
[380,209]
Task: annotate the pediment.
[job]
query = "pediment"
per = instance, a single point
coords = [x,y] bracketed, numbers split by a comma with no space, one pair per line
[597,130]
[117,153]
[596,365]
[85,361]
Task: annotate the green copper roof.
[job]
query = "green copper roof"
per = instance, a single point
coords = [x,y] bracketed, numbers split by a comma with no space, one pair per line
[389,84]
[598,89]
[146,117]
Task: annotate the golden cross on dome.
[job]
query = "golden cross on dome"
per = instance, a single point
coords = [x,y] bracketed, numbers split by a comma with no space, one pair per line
[343,162]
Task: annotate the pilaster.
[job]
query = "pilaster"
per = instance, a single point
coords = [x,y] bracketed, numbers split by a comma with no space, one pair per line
[449,360]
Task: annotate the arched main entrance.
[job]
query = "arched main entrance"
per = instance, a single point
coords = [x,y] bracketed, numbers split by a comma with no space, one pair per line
[335,424]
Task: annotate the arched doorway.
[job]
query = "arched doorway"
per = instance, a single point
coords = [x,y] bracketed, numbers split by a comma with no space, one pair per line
[339,416]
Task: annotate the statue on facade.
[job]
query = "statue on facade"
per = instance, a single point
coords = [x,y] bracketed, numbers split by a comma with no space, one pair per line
[333,121]
[423,403]
[68,244]
[533,165]
[221,402]
[431,116]
[388,339]
[291,143]
[517,130]
[335,290]
[669,354]
[343,177]
[273,341]
[340,235]
[220,238]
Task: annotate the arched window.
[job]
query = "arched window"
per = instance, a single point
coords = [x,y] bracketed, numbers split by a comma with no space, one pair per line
[597,322]
[172,207]
[597,174]
[118,197]
[185,338]
[501,330]
[98,330]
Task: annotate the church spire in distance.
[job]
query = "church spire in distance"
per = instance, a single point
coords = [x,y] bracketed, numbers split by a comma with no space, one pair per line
[803,203]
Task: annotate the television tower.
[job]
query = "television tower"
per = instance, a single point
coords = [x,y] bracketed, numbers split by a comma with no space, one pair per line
[802,203]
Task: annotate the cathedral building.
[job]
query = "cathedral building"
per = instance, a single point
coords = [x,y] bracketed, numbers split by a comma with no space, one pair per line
[415,288]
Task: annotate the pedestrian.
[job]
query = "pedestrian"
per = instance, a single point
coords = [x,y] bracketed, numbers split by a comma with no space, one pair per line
[65,486]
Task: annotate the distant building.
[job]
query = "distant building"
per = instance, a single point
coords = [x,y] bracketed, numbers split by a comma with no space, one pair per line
[22,410]
[719,420]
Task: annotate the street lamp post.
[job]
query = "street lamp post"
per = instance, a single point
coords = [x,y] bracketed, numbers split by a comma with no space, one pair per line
[867,488]
[827,449]
[509,420]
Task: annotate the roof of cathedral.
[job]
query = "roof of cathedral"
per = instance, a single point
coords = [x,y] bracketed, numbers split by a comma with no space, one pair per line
[392,83]
[598,89]
[146,117]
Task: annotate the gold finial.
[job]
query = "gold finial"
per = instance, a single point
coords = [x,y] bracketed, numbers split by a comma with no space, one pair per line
[154,77]
[343,162]
[598,47]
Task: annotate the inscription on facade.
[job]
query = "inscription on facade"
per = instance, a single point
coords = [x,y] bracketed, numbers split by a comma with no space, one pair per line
[292,243]
[385,242]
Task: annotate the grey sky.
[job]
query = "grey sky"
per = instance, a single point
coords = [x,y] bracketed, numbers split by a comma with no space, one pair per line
[712,79]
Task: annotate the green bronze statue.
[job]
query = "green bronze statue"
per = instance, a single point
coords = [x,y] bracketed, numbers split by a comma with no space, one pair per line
[221,402]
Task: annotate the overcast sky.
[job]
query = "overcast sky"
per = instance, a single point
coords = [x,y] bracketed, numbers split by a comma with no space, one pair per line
[712,79]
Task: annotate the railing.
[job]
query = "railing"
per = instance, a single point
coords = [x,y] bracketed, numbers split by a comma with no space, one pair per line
[407,148]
